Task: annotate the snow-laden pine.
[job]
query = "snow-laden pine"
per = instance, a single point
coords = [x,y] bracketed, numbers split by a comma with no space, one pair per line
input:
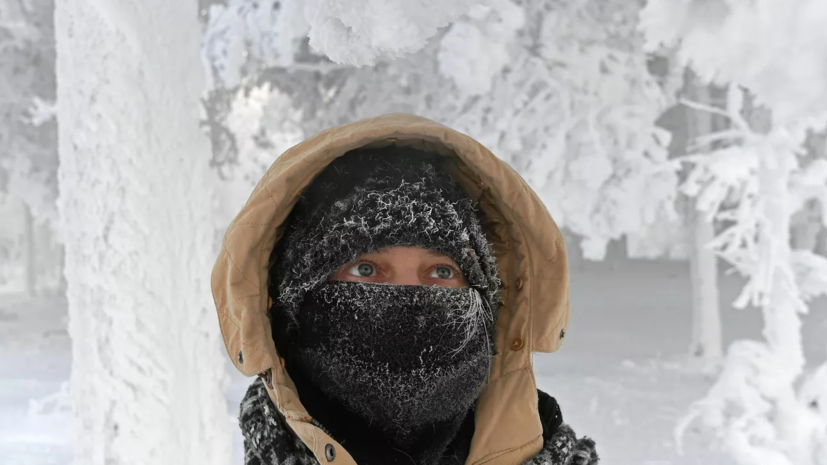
[756,404]
[136,194]
[561,91]
[775,48]
[751,181]
[574,110]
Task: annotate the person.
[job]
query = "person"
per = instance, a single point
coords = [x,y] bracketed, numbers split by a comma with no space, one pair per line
[388,281]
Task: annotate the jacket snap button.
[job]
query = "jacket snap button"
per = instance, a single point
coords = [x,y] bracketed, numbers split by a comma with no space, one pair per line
[517,344]
[329,452]
[519,284]
[267,376]
[240,357]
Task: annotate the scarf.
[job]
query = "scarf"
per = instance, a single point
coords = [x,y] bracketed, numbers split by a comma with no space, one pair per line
[269,441]
[408,362]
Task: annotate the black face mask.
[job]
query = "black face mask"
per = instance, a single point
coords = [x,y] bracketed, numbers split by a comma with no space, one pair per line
[401,356]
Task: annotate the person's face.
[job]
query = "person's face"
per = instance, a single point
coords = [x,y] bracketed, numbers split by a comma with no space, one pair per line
[403,265]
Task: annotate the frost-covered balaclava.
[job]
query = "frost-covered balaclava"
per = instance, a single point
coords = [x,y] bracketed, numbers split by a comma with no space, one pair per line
[399,356]
[368,200]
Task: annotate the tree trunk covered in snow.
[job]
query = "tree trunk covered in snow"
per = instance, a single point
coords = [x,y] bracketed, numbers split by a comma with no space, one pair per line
[781,303]
[781,306]
[148,380]
[30,250]
[706,316]
[818,151]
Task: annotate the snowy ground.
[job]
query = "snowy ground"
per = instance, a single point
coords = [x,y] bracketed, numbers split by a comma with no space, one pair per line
[620,376]
[34,361]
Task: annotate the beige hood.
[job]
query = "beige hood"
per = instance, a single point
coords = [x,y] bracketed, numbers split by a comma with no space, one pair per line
[527,243]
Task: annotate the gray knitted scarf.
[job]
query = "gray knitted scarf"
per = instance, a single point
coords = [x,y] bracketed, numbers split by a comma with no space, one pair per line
[269,441]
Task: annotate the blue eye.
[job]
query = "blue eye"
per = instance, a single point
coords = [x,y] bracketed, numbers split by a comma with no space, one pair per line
[363,270]
[442,272]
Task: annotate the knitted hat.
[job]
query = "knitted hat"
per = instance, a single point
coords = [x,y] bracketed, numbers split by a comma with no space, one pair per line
[369,200]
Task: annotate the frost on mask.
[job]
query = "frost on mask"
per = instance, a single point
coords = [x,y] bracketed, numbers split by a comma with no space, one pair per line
[395,354]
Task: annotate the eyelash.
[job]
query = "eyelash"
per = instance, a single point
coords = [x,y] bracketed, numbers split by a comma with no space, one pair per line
[452,267]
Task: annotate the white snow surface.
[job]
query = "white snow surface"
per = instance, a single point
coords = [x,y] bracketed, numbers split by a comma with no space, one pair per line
[621,376]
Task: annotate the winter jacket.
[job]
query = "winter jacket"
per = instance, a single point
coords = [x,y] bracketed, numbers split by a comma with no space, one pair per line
[534,309]
[268,440]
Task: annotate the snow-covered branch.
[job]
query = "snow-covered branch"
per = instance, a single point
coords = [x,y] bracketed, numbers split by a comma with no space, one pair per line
[749,43]
[753,185]
[243,38]
[359,32]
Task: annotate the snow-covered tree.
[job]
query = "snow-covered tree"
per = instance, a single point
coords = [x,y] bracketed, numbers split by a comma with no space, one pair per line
[136,196]
[28,134]
[707,343]
[269,88]
[262,123]
[28,159]
[574,110]
[560,90]
[244,38]
[750,43]
[355,32]
[754,182]
[358,32]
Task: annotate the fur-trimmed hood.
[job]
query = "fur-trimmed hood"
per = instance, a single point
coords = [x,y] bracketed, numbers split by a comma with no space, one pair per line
[528,246]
